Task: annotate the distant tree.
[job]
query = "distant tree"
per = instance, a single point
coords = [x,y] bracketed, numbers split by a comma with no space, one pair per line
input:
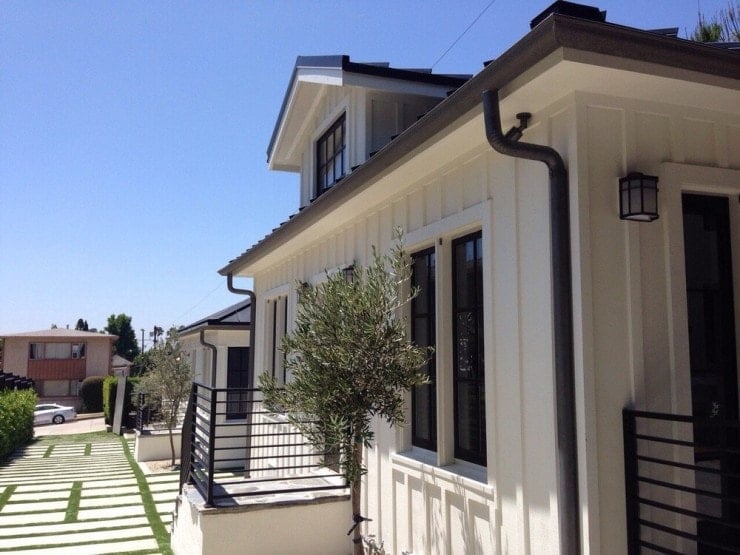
[723,27]
[729,18]
[126,345]
[155,334]
[81,325]
[707,30]
[141,363]
[167,381]
[350,360]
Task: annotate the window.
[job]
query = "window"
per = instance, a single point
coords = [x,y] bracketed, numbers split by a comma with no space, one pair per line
[331,157]
[78,350]
[39,351]
[237,376]
[423,322]
[467,347]
[460,362]
[277,327]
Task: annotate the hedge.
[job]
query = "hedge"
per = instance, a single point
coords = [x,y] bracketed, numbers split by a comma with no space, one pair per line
[91,394]
[110,391]
[16,419]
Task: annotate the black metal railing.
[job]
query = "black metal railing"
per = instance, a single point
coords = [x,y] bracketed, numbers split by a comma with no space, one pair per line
[682,483]
[12,381]
[149,415]
[237,448]
[143,413]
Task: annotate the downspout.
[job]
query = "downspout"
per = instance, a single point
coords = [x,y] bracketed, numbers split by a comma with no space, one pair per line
[212,347]
[562,296]
[250,394]
[252,312]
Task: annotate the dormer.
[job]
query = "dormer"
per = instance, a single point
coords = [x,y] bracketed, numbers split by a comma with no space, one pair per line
[337,113]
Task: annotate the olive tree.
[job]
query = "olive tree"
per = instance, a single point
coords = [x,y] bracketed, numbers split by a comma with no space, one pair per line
[350,360]
[167,382]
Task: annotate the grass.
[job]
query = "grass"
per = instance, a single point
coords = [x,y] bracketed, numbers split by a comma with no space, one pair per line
[73,505]
[150,508]
[6,495]
[86,437]
[48,445]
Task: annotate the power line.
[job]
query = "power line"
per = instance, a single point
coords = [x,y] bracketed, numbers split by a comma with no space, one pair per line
[463,33]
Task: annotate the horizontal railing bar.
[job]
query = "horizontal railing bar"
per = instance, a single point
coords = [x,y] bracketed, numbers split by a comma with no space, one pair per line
[668,529]
[688,512]
[687,489]
[278,491]
[669,441]
[659,548]
[266,457]
[687,466]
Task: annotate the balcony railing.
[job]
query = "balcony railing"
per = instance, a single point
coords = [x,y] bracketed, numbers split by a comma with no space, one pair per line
[682,483]
[235,449]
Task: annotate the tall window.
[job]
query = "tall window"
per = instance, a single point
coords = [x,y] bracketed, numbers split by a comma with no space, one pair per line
[331,157]
[277,316]
[467,332]
[237,376]
[423,321]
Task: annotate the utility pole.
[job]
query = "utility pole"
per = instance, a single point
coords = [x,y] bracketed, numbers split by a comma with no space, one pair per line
[142,340]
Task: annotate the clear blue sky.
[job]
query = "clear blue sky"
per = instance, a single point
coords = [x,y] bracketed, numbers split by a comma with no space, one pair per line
[133,135]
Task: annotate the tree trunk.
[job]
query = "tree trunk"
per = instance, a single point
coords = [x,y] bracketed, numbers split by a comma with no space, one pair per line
[172,447]
[356,495]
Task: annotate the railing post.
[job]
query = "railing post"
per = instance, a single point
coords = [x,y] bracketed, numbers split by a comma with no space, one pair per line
[211,445]
[140,413]
[631,487]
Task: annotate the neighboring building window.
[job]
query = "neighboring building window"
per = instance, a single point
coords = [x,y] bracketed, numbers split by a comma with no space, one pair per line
[40,351]
[423,322]
[467,337]
[331,156]
[78,350]
[237,377]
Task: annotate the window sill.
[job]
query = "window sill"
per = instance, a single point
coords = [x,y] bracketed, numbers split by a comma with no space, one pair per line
[468,475]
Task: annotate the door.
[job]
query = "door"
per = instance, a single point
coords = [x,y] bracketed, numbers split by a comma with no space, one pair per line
[713,355]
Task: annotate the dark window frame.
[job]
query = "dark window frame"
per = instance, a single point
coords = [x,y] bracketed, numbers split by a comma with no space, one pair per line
[327,155]
[237,401]
[475,351]
[427,319]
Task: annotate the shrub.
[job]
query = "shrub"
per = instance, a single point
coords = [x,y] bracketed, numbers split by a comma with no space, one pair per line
[110,392]
[91,393]
[16,420]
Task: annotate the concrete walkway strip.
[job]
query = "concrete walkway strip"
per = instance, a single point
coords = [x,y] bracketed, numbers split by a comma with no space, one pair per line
[82,498]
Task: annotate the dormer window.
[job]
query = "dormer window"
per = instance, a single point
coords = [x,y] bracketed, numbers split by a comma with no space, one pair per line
[331,157]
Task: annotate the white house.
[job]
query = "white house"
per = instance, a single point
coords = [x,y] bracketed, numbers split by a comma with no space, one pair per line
[550,311]
[220,340]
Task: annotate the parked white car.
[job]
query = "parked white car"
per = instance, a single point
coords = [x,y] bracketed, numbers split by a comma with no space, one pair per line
[50,412]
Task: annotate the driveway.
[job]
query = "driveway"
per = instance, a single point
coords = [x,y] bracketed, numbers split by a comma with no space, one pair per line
[82,424]
[83,494]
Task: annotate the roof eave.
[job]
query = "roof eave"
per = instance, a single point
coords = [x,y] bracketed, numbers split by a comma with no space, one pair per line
[555,32]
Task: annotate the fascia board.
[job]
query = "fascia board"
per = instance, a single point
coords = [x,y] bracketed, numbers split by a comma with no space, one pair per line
[395,85]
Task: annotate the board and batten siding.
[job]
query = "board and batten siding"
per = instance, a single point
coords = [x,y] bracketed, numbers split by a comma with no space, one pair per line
[632,284]
[629,307]
[435,506]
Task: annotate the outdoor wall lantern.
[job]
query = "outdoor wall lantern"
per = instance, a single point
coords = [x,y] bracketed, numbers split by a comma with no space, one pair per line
[638,197]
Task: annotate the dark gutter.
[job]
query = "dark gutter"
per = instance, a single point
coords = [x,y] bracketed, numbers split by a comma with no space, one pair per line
[562,307]
[252,309]
[214,355]
[555,32]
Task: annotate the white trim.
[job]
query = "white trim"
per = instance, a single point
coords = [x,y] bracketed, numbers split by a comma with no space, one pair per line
[674,180]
